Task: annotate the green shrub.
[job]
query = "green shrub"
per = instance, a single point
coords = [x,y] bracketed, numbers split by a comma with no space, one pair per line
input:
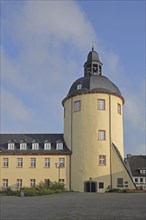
[41,189]
[57,186]
[9,192]
[114,190]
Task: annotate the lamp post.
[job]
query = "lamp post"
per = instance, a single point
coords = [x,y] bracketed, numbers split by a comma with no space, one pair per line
[58,167]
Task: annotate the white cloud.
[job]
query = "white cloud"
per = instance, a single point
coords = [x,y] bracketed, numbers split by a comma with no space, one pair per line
[43,32]
[62,20]
[52,36]
[135,108]
[14,108]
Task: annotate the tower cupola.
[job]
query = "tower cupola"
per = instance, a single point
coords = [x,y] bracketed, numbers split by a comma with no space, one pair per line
[92,66]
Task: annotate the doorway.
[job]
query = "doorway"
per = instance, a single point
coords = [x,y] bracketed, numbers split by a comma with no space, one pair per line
[90,186]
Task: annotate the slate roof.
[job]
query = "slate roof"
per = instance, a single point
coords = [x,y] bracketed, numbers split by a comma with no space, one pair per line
[137,163]
[29,138]
[94,84]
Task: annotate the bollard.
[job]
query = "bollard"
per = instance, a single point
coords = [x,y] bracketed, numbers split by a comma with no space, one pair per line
[21,193]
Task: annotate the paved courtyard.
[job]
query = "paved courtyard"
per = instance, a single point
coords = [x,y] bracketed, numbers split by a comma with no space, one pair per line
[72,206]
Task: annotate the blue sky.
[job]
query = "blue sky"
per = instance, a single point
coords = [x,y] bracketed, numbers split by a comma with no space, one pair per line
[44,45]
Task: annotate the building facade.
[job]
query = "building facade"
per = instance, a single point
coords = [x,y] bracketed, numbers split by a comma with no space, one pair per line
[136,164]
[92,143]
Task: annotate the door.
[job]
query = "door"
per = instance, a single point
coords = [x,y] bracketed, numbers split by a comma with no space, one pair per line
[90,186]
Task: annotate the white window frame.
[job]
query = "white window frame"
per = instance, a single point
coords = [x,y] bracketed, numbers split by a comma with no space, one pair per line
[61,181]
[32,162]
[23,146]
[77,106]
[120,182]
[59,146]
[101,135]
[61,162]
[102,160]
[32,182]
[11,146]
[99,185]
[47,162]
[19,162]
[5,183]
[79,86]
[35,146]
[101,104]
[47,146]
[5,162]
[142,171]
[19,183]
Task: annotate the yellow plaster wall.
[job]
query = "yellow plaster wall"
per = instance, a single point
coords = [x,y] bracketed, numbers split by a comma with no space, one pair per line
[40,172]
[119,171]
[81,133]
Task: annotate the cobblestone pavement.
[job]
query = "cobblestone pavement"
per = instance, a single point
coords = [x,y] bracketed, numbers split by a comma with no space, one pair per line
[75,206]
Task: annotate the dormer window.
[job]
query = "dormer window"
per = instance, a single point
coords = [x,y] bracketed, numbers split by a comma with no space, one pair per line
[11,146]
[79,86]
[23,146]
[47,146]
[35,146]
[143,171]
[59,146]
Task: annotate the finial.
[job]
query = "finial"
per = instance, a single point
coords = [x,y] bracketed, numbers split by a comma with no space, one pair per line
[93,43]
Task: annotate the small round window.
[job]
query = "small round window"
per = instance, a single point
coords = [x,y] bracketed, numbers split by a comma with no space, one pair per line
[79,86]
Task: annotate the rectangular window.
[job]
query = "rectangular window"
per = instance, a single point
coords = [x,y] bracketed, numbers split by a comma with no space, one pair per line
[77,106]
[11,146]
[47,162]
[141,180]
[101,185]
[136,180]
[101,104]
[19,183]
[119,108]
[32,182]
[33,162]
[5,162]
[20,162]
[5,183]
[61,181]
[120,182]
[102,160]
[59,146]
[23,146]
[101,135]
[47,182]
[35,146]
[62,162]
[47,146]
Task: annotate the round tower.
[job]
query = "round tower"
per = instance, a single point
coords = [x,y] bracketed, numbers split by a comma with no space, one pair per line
[93,121]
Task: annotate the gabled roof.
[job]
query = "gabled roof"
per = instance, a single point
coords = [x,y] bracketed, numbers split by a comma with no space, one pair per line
[137,163]
[29,138]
